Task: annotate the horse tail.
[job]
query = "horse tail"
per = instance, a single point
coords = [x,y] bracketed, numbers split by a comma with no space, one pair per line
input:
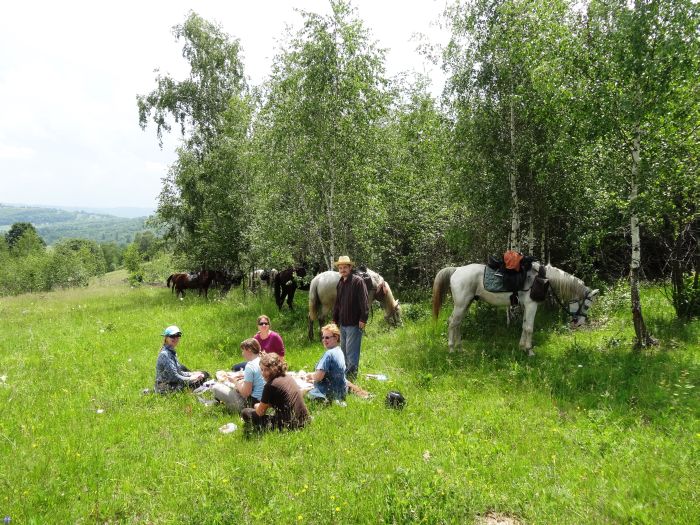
[167,283]
[440,285]
[314,300]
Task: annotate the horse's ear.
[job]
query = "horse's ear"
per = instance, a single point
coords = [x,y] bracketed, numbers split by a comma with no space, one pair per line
[594,294]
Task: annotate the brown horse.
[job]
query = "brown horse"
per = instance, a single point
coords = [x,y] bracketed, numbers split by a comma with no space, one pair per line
[182,281]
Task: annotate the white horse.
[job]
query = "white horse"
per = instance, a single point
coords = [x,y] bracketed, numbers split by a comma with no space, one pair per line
[467,284]
[323,292]
[256,278]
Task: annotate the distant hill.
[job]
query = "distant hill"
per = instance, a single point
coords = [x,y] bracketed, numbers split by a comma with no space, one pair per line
[55,224]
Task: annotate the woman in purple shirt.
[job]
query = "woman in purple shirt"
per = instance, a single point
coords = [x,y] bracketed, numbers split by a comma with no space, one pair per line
[270,341]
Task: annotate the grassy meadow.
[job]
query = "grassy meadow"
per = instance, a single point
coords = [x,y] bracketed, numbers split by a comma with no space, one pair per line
[586,432]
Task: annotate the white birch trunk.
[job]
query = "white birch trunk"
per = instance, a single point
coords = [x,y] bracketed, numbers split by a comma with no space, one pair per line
[514,242]
[640,329]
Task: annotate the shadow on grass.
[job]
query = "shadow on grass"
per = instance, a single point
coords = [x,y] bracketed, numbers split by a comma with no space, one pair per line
[603,374]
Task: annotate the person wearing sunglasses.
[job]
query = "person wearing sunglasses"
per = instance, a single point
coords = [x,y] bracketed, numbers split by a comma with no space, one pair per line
[171,375]
[330,383]
[270,341]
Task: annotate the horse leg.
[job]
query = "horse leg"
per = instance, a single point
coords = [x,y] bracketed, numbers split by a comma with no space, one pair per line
[290,297]
[455,324]
[528,325]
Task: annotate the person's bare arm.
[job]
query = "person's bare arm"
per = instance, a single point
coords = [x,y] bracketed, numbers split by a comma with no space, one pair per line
[261,408]
[318,375]
[245,388]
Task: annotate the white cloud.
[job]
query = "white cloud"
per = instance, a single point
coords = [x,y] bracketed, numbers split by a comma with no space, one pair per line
[8,151]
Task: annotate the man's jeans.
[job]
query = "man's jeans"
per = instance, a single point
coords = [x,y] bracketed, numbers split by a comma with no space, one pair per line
[350,340]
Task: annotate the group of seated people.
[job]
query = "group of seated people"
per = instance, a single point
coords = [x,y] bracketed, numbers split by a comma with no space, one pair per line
[261,382]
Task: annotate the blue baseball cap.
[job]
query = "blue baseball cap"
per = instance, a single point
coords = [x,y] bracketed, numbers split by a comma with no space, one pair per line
[171,331]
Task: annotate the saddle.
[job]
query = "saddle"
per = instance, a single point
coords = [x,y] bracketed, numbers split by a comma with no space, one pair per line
[362,272]
[511,270]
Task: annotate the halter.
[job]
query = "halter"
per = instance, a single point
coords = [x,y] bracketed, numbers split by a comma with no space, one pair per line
[576,308]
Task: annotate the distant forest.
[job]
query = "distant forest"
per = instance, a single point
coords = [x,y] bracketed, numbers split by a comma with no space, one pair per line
[53,225]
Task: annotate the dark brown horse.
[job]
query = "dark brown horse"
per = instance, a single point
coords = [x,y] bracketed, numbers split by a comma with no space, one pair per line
[199,281]
[286,283]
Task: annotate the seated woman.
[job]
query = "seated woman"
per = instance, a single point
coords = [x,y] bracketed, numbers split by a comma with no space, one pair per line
[171,375]
[281,393]
[329,378]
[247,389]
[270,341]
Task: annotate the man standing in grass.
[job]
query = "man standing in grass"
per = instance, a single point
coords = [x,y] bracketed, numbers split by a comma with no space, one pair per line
[350,313]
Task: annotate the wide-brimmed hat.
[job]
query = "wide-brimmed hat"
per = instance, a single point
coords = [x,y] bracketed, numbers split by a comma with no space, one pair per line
[172,330]
[343,259]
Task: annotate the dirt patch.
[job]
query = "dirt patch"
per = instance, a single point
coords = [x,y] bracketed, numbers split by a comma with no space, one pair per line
[497,518]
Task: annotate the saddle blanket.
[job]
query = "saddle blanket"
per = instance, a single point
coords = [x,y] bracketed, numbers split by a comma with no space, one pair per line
[493,281]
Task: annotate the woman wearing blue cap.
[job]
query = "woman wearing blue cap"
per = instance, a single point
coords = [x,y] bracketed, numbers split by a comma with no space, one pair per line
[171,375]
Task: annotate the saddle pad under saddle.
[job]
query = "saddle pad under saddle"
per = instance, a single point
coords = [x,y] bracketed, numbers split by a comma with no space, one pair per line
[493,281]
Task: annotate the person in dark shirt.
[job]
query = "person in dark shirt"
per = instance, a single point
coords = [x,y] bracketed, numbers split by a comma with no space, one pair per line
[282,393]
[350,313]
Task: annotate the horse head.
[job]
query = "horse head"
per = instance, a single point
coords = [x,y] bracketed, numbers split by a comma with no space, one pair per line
[393,317]
[392,308]
[572,294]
[578,309]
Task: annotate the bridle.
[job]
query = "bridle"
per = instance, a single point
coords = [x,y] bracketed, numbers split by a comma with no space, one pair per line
[575,308]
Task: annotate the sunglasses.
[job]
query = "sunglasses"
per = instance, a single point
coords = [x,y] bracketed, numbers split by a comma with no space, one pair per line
[261,323]
[175,336]
[329,337]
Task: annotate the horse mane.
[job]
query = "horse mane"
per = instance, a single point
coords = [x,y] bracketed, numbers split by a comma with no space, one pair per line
[389,296]
[567,286]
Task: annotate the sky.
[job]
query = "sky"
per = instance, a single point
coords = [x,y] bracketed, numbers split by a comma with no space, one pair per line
[70,72]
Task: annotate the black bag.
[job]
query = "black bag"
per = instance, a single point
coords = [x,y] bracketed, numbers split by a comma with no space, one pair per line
[540,287]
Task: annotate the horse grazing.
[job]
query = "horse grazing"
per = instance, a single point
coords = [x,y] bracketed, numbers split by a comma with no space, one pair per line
[286,284]
[324,288]
[226,279]
[182,281]
[467,284]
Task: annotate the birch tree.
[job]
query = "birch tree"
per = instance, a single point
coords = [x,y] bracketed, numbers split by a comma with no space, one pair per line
[638,55]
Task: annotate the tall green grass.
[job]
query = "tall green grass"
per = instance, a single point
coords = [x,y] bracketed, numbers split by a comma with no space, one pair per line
[585,432]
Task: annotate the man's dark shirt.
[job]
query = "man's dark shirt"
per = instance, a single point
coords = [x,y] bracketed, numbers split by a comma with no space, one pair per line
[351,302]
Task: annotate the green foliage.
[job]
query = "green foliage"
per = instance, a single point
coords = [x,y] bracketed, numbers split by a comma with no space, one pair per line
[319,137]
[147,260]
[198,103]
[202,205]
[17,231]
[30,267]
[113,255]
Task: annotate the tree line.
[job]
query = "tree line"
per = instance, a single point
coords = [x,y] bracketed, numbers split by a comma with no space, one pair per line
[566,130]
[27,264]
